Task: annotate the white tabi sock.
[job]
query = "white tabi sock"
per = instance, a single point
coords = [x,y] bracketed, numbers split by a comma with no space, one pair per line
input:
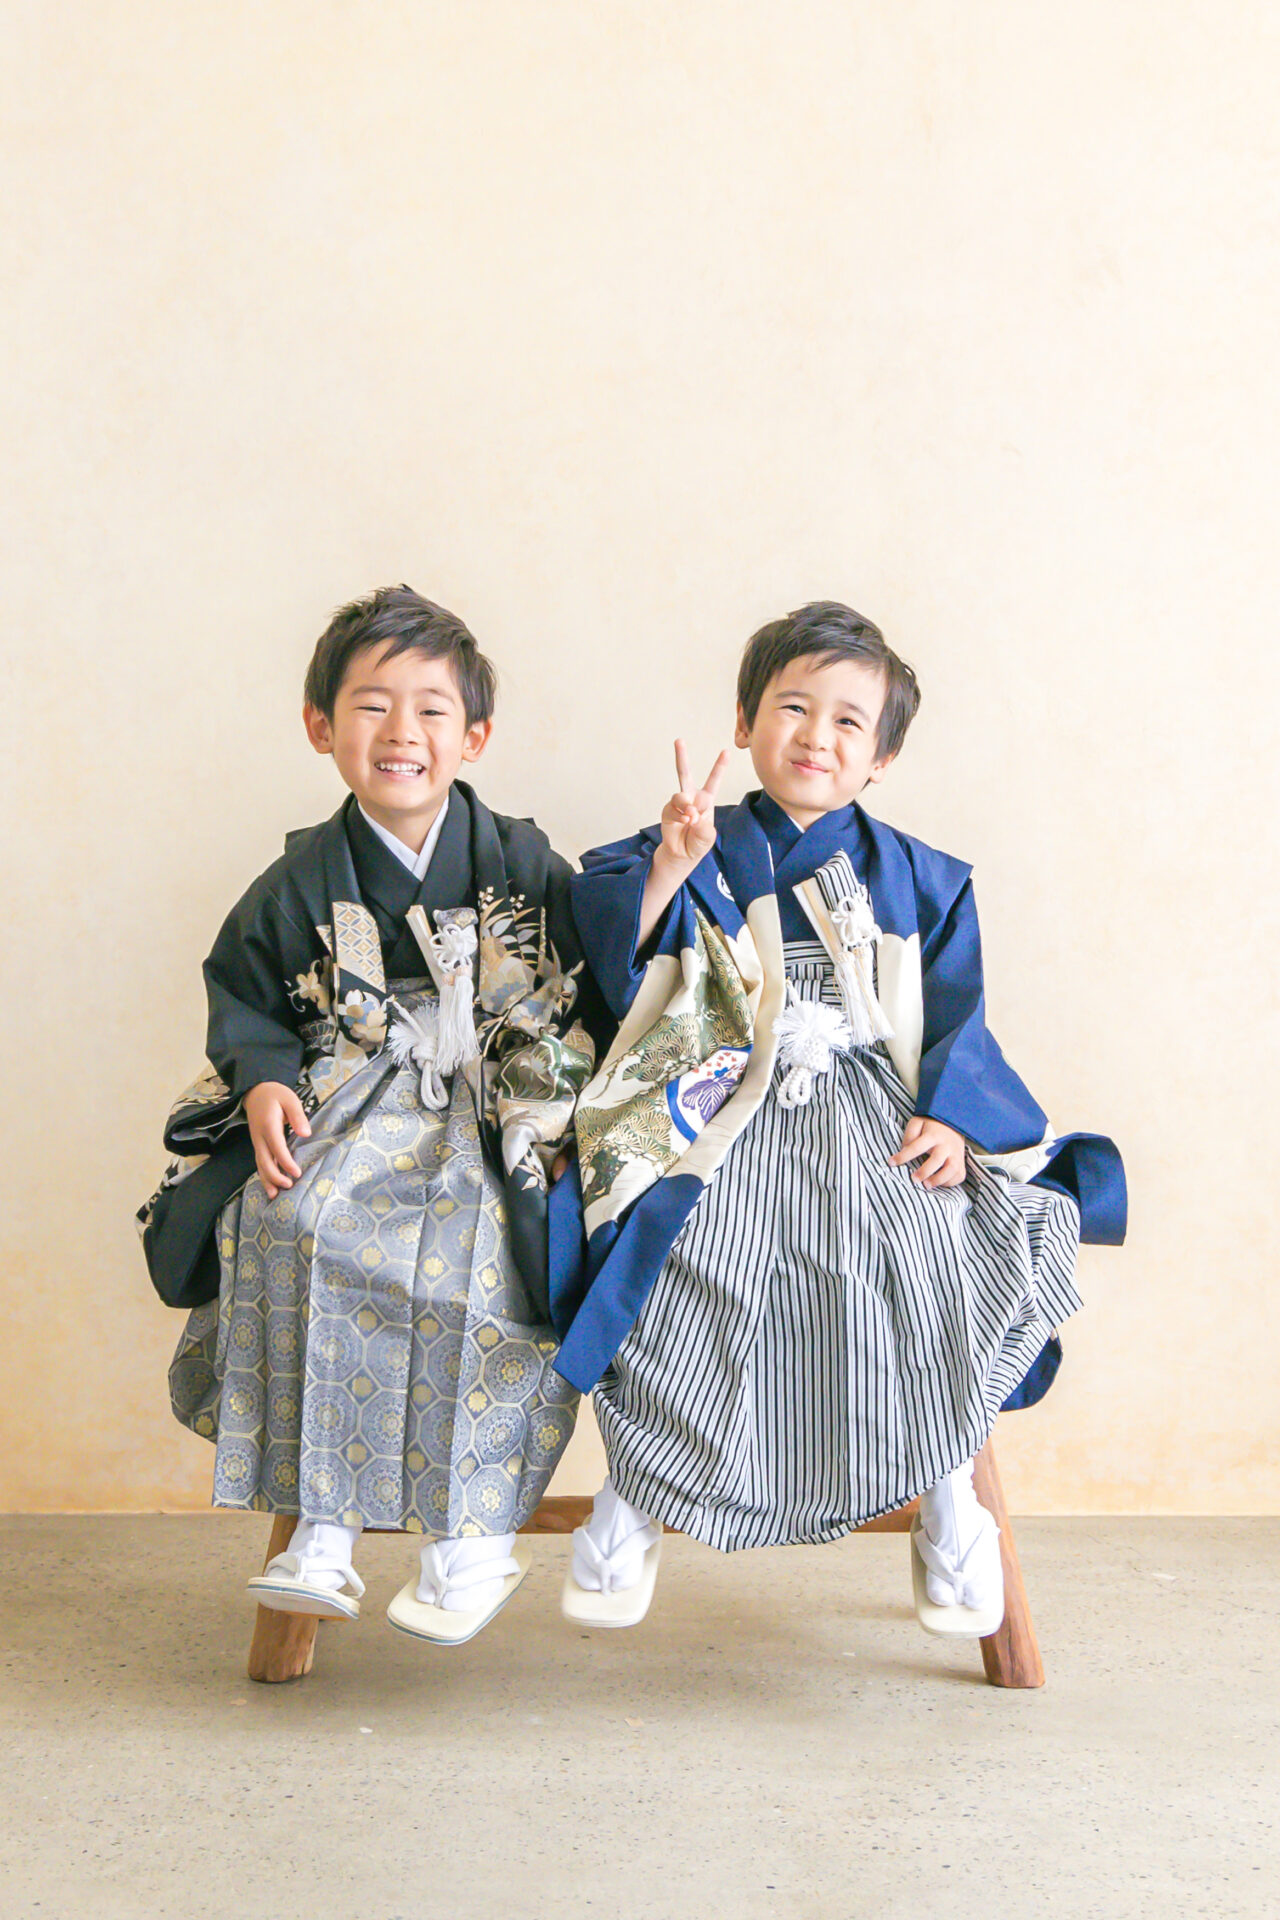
[461,1575]
[324,1549]
[617,1536]
[966,1536]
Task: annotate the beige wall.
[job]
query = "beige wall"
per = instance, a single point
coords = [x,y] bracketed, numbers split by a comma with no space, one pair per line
[621,327]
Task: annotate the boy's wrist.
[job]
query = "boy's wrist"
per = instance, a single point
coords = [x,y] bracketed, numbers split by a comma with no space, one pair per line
[671,866]
[272,1087]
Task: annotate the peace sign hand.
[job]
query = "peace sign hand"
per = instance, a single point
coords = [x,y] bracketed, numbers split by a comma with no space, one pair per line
[689,817]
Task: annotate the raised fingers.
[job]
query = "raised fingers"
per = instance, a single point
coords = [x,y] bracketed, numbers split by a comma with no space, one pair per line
[684,779]
[716,774]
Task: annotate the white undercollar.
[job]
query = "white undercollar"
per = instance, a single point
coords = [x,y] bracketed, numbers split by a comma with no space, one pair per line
[417,863]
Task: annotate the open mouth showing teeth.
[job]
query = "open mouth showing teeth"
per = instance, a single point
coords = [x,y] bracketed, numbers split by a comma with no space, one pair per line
[399,766]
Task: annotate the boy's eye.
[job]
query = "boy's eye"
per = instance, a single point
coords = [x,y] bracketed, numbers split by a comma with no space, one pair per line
[372,709]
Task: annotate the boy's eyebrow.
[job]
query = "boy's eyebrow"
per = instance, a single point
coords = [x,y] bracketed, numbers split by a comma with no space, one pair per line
[444,693]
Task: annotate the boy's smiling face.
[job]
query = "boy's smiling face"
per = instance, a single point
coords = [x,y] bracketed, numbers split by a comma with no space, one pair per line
[814,742]
[398,736]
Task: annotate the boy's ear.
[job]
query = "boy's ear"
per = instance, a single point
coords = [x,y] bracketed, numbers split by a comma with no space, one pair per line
[881,767]
[476,739]
[741,731]
[319,732]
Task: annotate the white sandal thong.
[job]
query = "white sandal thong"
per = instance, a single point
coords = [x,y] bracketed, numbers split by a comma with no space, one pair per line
[451,1626]
[284,1587]
[610,1606]
[957,1621]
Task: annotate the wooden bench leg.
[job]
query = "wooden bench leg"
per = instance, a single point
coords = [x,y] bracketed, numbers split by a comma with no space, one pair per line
[1010,1655]
[284,1644]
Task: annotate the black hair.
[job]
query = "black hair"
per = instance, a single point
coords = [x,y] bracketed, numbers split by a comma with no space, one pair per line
[827,631]
[397,620]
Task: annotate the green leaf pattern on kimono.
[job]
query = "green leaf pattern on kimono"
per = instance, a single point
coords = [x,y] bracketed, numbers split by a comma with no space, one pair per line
[624,1123]
[535,1089]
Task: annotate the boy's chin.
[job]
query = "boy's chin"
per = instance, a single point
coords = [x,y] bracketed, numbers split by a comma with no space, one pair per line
[809,796]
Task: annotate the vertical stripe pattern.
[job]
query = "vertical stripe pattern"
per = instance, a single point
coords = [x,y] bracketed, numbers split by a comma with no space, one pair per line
[827,1338]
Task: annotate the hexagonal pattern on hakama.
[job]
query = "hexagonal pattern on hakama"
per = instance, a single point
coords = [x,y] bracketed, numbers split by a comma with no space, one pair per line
[373,1355]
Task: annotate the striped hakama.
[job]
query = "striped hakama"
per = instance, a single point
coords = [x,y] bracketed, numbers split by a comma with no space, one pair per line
[827,1338]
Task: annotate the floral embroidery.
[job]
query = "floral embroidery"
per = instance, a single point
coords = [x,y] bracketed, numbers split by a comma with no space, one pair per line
[364,1016]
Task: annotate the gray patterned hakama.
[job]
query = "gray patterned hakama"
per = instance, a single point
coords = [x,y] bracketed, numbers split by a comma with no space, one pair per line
[826,1338]
[373,1355]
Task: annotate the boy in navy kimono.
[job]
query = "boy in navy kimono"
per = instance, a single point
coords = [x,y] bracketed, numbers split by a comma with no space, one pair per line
[828,1231]
[358,1211]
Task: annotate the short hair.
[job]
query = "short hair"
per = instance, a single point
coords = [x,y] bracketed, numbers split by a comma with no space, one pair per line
[828,631]
[397,620]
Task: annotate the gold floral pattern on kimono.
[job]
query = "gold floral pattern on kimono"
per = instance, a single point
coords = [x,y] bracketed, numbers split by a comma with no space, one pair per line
[533,1074]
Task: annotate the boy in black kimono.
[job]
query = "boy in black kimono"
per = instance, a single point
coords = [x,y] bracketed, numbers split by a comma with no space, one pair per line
[357,1215]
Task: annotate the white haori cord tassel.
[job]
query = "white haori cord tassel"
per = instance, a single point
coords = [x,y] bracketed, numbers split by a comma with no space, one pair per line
[413,1041]
[456,1043]
[448,953]
[809,1034]
[855,928]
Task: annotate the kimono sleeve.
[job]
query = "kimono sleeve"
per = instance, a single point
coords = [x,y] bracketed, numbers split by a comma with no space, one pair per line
[562,930]
[607,898]
[253,1031]
[543,1058]
[965,1080]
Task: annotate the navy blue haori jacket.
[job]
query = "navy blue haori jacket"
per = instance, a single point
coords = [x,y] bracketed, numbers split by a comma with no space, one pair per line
[695,1051]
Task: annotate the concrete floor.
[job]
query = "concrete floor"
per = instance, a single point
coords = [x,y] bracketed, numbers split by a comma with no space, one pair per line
[778,1739]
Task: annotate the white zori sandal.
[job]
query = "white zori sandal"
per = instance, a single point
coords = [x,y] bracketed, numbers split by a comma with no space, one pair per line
[615,1563]
[956,1574]
[463,1584]
[310,1575]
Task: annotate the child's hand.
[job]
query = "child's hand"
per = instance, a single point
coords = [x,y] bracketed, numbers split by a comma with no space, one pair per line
[270,1108]
[689,817]
[939,1148]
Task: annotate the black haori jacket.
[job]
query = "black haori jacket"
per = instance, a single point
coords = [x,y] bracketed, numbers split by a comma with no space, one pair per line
[298,988]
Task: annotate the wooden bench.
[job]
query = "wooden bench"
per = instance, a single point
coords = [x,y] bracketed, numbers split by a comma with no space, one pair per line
[284,1643]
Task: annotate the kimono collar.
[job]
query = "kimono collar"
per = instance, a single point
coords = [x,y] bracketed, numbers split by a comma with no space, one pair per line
[414,863]
[759,850]
[384,881]
[469,868]
[346,923]
[780,829]
[798,855]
